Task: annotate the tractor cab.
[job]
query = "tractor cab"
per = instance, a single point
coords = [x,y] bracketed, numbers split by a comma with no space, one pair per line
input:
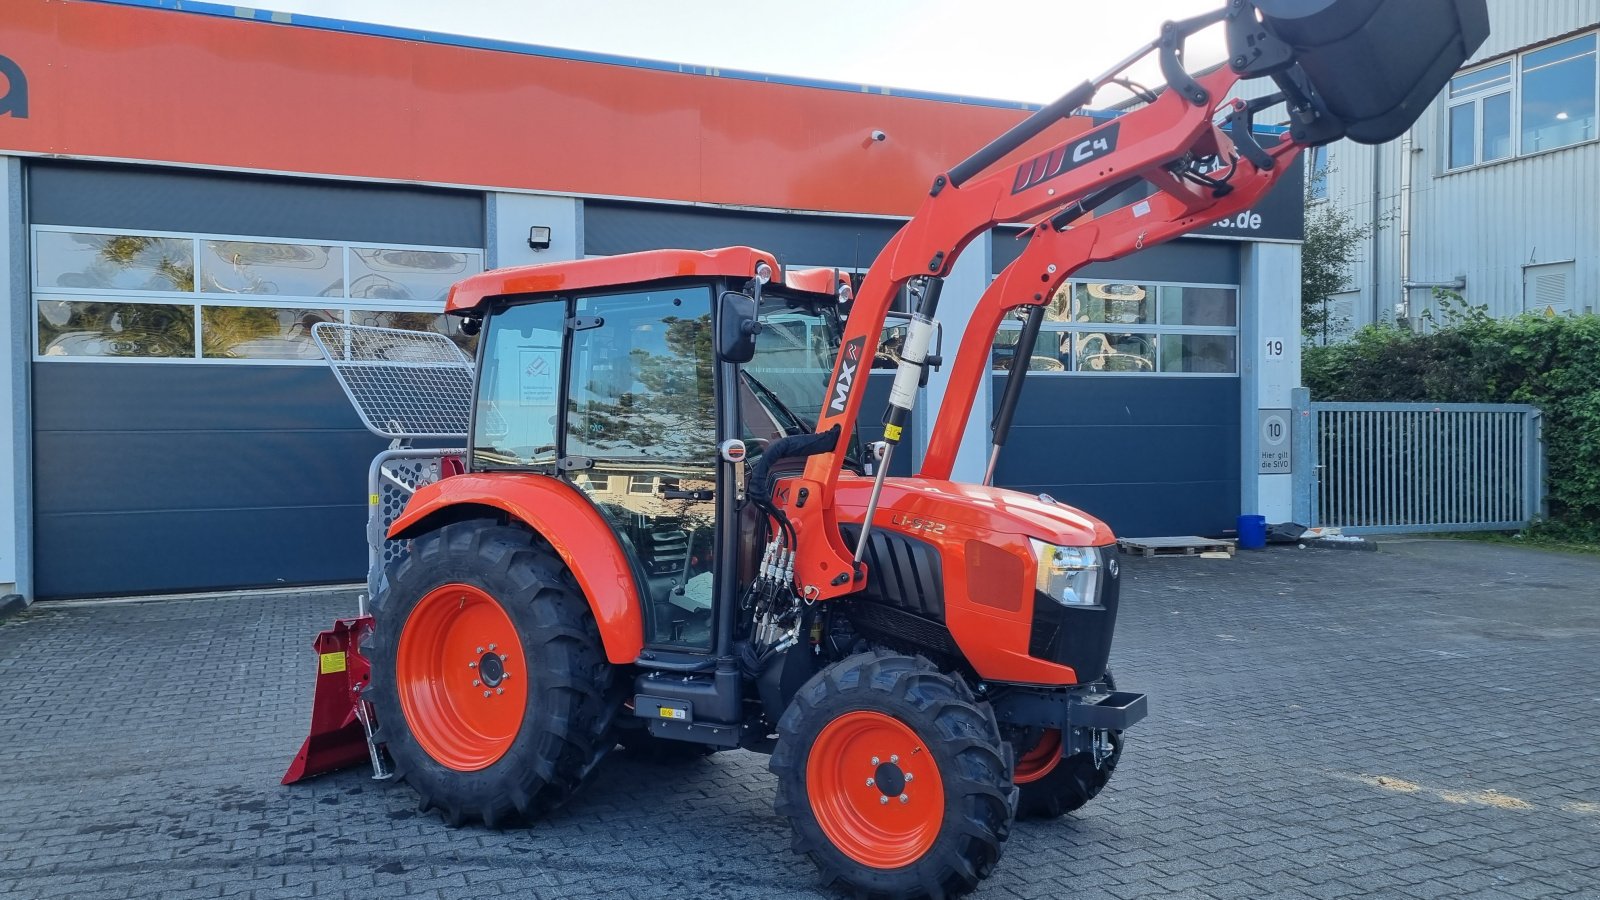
[613,383]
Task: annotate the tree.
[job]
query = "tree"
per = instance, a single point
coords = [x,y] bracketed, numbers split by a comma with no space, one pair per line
[1331,244]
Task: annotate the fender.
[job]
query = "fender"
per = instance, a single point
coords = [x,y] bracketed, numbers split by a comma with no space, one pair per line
[564,517]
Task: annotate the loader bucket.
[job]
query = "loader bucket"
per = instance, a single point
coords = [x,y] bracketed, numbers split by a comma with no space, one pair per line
[1377,64]
[338,737]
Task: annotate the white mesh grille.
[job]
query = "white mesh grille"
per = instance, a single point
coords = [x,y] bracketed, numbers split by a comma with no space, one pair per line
[403,384]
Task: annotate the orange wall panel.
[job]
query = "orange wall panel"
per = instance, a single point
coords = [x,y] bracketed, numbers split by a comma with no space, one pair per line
[108,81]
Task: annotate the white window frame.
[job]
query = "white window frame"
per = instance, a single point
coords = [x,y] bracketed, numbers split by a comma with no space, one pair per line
[202,299]
[1514,90]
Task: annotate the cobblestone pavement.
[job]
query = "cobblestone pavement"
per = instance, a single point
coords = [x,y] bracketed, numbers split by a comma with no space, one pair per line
[1420,722]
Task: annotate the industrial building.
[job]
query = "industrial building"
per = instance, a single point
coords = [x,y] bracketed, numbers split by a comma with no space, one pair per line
[1491,194]
[188,188]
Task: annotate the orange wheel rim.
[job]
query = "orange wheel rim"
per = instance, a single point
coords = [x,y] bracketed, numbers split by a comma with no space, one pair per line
[462,678]
[875,789]
[1038,762]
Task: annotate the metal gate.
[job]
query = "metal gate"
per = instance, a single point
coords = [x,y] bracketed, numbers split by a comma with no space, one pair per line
[1390,468]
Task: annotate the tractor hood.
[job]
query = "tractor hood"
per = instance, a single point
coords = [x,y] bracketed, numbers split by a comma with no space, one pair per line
[927,501]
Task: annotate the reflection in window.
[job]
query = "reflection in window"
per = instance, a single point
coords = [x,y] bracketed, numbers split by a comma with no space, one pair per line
[1125,304]
[397,274]
[74,328]
[285,270]
[1052,351]
[1199,306]
[1112,352]
[1558,95]
[642,380]
[515,419]
[122,262]
[449,326]
[259,332]
[1212,353]
[1496,136]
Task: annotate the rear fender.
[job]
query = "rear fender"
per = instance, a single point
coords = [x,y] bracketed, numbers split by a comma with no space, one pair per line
[564,517]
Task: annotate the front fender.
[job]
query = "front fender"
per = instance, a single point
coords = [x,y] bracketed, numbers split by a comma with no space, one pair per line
[565,518]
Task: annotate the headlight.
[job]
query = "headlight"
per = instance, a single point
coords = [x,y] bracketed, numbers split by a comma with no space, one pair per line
[1070,575]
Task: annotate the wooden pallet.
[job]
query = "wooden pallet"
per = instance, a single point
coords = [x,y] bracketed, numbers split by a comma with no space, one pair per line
[1186,545]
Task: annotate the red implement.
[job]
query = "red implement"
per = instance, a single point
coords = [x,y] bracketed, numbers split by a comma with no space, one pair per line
[338,736]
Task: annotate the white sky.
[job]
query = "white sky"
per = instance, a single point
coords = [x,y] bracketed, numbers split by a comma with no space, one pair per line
[1030,50]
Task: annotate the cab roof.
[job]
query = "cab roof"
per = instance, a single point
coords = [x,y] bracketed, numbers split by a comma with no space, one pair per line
[468,295]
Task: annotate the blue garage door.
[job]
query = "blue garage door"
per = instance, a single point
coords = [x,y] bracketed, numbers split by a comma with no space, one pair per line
[187,435]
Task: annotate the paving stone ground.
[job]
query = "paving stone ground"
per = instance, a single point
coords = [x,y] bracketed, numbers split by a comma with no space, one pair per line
[1422,722]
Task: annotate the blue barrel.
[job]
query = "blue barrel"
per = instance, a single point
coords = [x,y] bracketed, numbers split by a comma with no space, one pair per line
[1252,532]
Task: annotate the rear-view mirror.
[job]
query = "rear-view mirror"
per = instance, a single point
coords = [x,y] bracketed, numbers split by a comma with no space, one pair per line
[737,327]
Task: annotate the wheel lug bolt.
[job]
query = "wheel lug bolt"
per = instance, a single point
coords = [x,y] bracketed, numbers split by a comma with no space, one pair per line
[894,759]
[499,690]
[480,650]
[472,665]
[874,760]
[477,683]
[883,800]
[871,782]
[486,693]
[491,647]
[904,798]
[908,777]
[504,657]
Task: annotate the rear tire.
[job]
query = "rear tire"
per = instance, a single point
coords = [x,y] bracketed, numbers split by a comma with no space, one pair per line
[489,680]
[1070,783]
[894,778]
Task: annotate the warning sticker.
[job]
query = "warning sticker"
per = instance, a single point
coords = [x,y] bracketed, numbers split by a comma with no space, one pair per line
[330,663]
[668,712]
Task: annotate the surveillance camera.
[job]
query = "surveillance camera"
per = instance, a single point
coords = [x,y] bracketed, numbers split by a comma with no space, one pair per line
[879,136]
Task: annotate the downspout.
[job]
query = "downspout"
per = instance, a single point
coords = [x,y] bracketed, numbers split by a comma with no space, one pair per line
[1402,309]
[1377,198]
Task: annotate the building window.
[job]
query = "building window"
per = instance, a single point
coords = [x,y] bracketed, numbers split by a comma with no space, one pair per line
[1545,98]
[120,295]
[1558,93]
[1120,327]
[1470,94]
[1317,185]
[642,484]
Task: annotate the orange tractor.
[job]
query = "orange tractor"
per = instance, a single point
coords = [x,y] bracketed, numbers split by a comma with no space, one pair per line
[663,531]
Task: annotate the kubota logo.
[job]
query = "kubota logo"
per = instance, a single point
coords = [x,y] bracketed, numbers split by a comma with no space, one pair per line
[845,381]
[1066,157]
[14,102]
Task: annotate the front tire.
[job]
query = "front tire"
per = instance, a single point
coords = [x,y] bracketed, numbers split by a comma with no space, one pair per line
[489,680]
[894,778]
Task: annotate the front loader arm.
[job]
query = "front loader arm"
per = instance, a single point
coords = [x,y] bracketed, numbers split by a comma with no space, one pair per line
[1144,143]
[1054,253]
[1363,69]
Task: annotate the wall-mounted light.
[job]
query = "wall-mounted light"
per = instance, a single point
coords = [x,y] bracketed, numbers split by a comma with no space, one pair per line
[539,237]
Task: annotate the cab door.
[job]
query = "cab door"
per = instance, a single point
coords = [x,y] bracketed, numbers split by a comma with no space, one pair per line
[641,441]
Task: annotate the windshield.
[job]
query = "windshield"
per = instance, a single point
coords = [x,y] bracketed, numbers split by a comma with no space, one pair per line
[784,385]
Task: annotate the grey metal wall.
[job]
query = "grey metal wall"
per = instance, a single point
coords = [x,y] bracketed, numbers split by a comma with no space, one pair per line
[155,477]
[1145,454]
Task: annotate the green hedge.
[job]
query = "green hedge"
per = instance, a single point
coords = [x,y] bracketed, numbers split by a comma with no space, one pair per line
[1552,363]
